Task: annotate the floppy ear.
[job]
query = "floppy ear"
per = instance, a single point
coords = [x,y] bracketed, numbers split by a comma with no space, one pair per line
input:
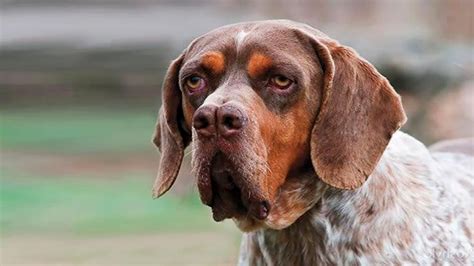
[359,112]
[169,137]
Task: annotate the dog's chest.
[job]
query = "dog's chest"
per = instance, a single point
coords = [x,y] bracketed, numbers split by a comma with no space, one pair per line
[311,240]
[309,246]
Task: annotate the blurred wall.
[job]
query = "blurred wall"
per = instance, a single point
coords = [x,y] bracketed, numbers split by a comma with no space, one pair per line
[107,52]
[108,48]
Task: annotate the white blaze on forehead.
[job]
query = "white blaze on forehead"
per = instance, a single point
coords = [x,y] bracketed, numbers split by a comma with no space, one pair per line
[240,37]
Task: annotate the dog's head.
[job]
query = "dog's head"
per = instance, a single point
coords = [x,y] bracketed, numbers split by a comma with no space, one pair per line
[272,109]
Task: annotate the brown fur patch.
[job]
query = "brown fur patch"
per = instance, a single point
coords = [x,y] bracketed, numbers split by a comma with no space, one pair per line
[214,61]
[467,230]
[292,136]
[405,238]
[258,64]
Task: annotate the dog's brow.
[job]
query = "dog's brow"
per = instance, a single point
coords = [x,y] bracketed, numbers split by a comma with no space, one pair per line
[214,61]
[258,64]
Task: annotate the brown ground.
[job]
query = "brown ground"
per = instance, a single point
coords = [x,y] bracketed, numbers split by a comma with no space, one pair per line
[199,248]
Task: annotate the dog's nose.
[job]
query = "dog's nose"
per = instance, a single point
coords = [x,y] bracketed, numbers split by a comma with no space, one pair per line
[204,120]
[230,120]
[226,120]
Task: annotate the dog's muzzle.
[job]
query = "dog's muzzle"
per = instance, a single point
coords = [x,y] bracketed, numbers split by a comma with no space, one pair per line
[227,191]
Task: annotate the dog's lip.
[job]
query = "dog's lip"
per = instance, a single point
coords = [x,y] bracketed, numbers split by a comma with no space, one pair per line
[226,203]
[229,203]
[222,188]
[227,198]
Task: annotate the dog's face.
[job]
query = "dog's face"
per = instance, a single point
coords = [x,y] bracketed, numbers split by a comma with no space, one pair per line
[271,108]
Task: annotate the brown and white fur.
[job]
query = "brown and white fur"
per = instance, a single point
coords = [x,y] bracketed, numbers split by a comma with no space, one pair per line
[295,137]
[414,209]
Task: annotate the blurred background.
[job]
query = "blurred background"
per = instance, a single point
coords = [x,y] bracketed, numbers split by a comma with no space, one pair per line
[80,87]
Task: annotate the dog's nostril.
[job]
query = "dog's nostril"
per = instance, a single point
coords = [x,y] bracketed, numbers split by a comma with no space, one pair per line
[232,121]
[201,122]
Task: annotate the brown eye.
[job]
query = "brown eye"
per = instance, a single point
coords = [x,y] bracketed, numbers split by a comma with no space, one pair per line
[195,83]
[280,81]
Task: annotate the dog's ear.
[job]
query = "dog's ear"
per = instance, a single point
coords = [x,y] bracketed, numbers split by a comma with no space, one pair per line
[358,114]
[170,139]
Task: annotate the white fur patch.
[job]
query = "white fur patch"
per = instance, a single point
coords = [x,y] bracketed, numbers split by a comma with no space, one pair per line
[240,37]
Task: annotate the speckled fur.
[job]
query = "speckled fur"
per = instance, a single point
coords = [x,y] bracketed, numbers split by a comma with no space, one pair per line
[413,210]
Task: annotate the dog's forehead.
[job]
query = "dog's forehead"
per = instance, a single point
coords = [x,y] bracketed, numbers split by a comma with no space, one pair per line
[239,38]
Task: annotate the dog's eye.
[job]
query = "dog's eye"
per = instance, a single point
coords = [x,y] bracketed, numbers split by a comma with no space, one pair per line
[281,82]
[195,83]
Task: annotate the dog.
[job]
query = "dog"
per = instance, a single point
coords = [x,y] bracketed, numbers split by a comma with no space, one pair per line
[296,138]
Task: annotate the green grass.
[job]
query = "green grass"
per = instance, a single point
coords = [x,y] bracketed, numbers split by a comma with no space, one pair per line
[95,201]
[106,206]
[77,130]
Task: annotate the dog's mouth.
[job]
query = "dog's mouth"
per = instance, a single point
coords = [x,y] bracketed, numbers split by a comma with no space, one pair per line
[231,197]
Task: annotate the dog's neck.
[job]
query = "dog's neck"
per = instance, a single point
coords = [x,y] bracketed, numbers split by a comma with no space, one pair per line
[343,224]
